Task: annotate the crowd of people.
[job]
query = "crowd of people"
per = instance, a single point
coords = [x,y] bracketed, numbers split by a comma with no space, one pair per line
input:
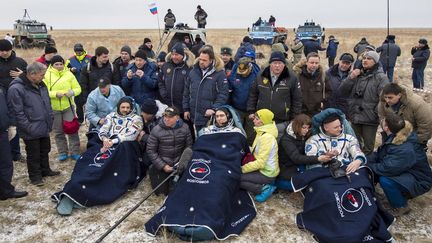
[294,114]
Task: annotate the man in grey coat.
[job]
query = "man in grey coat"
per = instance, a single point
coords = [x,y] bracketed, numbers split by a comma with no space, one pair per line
[389,52]
[30,109]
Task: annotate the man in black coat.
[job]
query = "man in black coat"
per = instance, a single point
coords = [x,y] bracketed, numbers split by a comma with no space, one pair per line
[11,67]
[313,45]
[421,54]
[389,52]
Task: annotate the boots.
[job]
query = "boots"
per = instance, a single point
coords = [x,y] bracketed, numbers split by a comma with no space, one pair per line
[65,206]
[266,192]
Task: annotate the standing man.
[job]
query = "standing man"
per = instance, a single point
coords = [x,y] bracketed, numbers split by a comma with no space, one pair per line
[276,88]
[313,45]
[332,50]
[169,20]
[30,107]
[297,50]
[272,20]
[201,17]
[122,62]
[226,54]
[360,47]
[315,88]
[45,59]
[389,52]
[206,88]
[420,57]
[11,67]
[363,87]
[98,68]
[76,64]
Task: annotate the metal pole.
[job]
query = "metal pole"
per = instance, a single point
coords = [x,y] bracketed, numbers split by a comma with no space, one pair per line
[160,37]
[388,41]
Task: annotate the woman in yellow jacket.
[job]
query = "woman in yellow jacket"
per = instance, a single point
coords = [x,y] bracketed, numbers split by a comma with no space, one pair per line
[62,87]
[259,174]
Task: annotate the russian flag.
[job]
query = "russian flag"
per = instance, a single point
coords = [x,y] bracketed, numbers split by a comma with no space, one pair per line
[153,8]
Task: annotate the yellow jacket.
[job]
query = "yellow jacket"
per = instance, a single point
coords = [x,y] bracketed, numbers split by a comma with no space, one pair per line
[265,152]
[61,81]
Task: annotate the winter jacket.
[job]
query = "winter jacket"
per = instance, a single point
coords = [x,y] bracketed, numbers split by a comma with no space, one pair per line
[172,79]
[229,67]
[240,86]
[75,62]
[297,51]
[421,56]
[292,154]
[98,106]
[121,67]
[404,161]
[393,52]
[414,109]
[144,87]
[244,47]
[6,65]
[284,99]
[201,16]
[334,77]
[4,111]
[360,47]
[61,81]
[205,91]
[166,144]
[169,20]
[312,46]
[196,47]
[43,60]
[91,74]
[363,93]
[332,48]
[315,88]
[265,152]
[30,108]
[148,51]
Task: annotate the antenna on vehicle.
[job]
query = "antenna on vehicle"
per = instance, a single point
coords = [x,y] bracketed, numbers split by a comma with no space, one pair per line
[26,14]
[388,33]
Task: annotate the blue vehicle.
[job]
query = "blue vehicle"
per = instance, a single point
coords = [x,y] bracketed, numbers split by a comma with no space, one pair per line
[308,29]
[266,34]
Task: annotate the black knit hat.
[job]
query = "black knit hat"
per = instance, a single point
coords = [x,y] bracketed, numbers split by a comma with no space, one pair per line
[347,57]
[161,56]
[147,40]
[149,106]
[50,49]
[127,49]
[5,45]
[141,54]
[178,48]
[277,56]
[57,58]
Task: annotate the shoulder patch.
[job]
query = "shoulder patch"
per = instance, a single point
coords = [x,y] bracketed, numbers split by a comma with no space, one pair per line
[308,148]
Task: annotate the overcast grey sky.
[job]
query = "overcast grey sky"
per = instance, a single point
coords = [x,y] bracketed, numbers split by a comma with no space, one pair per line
[134,14]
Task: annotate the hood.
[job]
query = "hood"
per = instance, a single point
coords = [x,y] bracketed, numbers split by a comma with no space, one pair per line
[218,63]
[289,130]
[51,69]
[300,68]
[403,135]
[190,58]
[269,128]
[24,81]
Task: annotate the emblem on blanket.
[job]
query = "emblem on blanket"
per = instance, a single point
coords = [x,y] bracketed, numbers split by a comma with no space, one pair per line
[351,201]
[199,170]
[100,158]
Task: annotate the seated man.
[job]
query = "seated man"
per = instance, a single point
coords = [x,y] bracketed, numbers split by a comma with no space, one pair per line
[333,141]
[114,162]
[165,145]
[400,164]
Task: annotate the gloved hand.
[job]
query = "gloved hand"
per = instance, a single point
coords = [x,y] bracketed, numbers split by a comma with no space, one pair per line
[70,93]
[12,132]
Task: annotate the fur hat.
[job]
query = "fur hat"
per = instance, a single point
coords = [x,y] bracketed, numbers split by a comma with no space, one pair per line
[265,115]
[244,67]
[50,49]
[226,50]
[141,54]
[178,48]
[372,54]
[127,49]
[146,40]
[391,37]
[277,56]
[149,106]
[5,45]
[423,41]
[57,58]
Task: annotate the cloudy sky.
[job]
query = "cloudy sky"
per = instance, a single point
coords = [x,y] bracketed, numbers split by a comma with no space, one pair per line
[134,14]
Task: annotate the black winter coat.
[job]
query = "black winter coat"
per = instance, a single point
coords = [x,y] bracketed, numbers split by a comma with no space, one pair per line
[336,100]
[30,108]
[312,46]
[393,51]
[4,112]
[6,65]
[421,56]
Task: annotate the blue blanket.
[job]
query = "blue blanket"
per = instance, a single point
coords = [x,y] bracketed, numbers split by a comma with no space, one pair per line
[336,210]
[100,178]
[208,193]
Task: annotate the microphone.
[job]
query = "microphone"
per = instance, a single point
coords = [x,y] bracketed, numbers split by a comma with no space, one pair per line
[183,163]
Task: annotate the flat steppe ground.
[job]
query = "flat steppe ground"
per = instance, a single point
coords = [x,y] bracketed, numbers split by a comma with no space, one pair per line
[34,218]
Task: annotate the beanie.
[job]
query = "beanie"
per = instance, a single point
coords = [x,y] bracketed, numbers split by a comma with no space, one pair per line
[372,54]
[149,106]
[57,58]
[347,57]
[50,49]
[265,115]
[250,54]
[277,56]
[78,47]
[423,41]
[147,40]
[141,54]
[178,48]
[5,45]
[247,39]
[161,56]
[127,49]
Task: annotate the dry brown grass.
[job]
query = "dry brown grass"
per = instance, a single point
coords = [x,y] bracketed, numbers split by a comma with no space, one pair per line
[34,219]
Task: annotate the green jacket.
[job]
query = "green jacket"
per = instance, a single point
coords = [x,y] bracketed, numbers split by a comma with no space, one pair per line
[61,81]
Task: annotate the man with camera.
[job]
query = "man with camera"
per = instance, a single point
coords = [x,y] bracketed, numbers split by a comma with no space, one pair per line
[363,87]
[420,57]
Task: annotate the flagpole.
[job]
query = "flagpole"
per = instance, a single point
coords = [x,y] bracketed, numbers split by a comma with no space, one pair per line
[160,37]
